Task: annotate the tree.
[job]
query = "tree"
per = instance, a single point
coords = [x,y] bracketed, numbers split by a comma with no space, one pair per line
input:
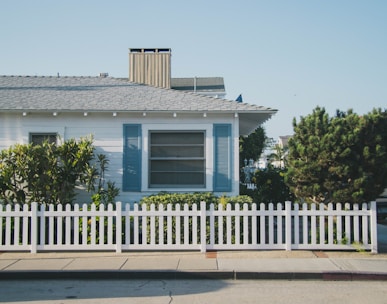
[338,159]
[271,187]
[251,146]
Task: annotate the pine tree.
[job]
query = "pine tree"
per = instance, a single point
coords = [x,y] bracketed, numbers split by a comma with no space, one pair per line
[251,146]
[338,159]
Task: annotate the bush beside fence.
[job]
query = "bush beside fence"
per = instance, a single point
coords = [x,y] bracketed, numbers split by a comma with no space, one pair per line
[188,227]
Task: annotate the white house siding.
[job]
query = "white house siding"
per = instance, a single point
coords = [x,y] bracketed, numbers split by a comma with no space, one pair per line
[107,132]
[10,130]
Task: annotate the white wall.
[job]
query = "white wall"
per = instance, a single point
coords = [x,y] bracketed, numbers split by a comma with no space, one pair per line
[107,132]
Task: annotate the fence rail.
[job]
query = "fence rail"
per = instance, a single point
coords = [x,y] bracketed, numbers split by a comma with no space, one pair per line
[198,227]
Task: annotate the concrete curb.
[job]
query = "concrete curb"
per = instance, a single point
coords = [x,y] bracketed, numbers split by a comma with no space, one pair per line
[193,275]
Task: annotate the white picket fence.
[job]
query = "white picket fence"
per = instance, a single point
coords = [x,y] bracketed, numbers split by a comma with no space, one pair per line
[282,226]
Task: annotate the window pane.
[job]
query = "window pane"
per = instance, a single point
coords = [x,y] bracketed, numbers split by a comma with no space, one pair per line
[39,138]
[177,166]
[178,179]
[177,151]
[177,138]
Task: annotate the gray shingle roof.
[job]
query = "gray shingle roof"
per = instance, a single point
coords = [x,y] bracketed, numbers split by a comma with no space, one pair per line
[36,93]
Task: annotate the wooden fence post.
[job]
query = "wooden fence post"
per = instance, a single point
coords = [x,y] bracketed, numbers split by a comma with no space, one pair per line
[203,227]
[118,227]
[34,227]
[288,225]
[374,228]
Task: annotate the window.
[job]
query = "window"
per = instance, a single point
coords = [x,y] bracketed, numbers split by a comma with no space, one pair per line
[39,138]
[177,159]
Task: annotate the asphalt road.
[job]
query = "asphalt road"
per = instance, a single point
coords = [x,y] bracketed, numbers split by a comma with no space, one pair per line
[192,291]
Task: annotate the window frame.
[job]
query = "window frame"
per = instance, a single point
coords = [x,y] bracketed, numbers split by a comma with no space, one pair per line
[184,158]
[43,134]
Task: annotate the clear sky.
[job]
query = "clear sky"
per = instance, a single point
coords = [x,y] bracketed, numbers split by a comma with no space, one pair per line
[289,55]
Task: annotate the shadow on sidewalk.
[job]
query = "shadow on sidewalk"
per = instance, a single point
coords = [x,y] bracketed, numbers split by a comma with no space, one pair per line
[105,290]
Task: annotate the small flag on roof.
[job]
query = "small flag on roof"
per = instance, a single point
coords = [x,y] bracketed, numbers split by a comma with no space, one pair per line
[239,99]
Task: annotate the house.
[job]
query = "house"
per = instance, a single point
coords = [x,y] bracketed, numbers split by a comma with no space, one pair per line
[156,139]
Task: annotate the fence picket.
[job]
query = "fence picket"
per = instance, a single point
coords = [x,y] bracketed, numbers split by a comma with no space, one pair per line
[8,227]
[136,226]
[84,225]
[195,225]
[305,224]
[271,224]
[144,224]
[339,224]
[220,225]
[178,225]
[25,232]
[296,224]
[118,218]
[110,226]
[127,225]
[288,226]
[101,225]
[314,225]
[262,226]
[254,231]
[68,226]
[152,226]
[169,225]
[347,224]
[212,224]
[356,226]
[203,226]
[321,223]
[245,225]
[279,223]
[237,233]
[330,224]
[365,227]
[186,225]
[76,224]
[16,226]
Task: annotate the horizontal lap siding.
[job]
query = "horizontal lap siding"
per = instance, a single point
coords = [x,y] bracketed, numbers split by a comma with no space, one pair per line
[107,138]
[10,131]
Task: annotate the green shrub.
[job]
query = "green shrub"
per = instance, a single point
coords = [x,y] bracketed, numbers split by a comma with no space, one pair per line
[190,199]
[165,198]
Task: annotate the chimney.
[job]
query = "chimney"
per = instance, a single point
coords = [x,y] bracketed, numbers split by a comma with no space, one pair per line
[151,67]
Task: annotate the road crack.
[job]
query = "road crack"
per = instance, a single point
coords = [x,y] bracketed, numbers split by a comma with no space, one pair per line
[170,297]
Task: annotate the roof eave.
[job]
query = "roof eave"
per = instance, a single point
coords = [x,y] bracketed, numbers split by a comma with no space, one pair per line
[248,122]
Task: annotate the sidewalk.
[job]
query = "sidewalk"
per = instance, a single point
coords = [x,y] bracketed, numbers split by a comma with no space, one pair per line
[285,265]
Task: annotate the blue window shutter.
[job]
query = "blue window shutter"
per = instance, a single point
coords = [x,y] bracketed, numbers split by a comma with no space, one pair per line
[132,158]
[223,162]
